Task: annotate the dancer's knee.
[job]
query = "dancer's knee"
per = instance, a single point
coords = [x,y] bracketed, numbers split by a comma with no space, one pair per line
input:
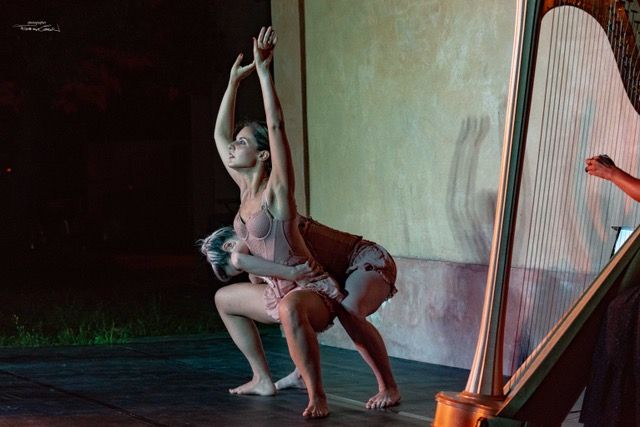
[221,299]
[367,291]
[355,308]
[290,310]
[305,309]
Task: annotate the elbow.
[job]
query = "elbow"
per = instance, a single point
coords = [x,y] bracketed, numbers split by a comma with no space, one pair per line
[276,125]
[236,260]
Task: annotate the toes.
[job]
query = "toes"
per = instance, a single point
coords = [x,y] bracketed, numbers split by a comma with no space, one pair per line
[382,401]
[310,414]
[378,403]
[320,414]
[314,413]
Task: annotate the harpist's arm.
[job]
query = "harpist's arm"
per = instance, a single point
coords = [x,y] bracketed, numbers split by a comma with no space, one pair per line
[626,183]
[604,168]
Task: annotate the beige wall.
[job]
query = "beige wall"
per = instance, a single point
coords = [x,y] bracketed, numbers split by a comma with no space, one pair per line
[404,104]
[405,116]
[400,105]
[289,72]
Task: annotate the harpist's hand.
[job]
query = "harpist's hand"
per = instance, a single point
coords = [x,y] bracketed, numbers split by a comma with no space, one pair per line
[601,166]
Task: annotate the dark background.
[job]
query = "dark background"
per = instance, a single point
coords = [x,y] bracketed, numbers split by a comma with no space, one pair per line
[106,127]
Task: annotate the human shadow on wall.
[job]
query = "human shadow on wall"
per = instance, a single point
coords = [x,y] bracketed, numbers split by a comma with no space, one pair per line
[470,210]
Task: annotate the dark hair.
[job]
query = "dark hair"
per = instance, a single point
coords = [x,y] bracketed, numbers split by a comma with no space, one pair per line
[211,247]
[260,133]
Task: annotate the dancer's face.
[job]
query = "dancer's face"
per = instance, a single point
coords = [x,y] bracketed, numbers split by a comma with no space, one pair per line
[234,244]
[243,152]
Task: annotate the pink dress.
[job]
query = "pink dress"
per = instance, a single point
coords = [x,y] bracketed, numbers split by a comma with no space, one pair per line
[280,241]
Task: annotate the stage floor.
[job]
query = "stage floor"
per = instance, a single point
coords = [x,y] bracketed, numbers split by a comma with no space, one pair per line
[183,381]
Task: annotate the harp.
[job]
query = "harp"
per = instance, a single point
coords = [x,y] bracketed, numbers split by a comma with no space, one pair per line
[574,92]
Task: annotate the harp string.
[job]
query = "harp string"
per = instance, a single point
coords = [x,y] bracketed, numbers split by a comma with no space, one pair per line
[592,127]
[526,293]
[564,177]
[554,225]
[540,183]
[578,151]
[620,136]
[550,166]
[567,176]
[549,225]
[534,258]
[616,33]
[567,236]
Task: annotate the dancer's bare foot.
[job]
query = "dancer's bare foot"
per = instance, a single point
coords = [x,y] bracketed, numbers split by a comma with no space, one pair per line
[384,399]
[263,387]
[293,380]
[316,409]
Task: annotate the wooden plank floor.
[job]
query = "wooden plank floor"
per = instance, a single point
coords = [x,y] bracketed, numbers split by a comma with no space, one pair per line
[183,381]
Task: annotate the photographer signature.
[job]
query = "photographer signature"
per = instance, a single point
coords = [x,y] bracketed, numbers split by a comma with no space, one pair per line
[38,26]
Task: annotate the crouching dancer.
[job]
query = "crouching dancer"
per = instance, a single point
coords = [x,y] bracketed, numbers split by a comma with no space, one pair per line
[365,269]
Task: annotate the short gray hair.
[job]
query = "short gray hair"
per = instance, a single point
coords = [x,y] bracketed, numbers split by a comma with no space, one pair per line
[211,247]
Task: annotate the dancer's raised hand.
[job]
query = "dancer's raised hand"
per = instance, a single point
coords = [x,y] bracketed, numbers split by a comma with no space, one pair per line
[239,72]
[263,47]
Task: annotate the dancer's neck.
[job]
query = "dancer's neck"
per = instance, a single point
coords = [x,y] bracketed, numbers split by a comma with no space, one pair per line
[255,184]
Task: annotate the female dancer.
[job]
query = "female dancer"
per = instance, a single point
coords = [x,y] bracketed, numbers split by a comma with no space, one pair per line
[267,221]
[613,390]
[366,269]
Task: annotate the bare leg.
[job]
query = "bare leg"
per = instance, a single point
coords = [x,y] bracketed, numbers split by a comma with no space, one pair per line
[239,305]
[367,290]
[303,313]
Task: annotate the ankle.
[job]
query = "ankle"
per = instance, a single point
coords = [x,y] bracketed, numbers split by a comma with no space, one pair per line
[389,388]
[265,379]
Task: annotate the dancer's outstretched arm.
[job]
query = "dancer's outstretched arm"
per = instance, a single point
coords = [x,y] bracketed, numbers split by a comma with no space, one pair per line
[225,121]
[260,267]
[282,178]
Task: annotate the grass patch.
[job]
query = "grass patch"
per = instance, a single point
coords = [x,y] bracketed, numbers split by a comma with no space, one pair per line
[92,308]
[85,322]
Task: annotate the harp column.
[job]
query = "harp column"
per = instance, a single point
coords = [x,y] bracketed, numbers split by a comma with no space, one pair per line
[483,395]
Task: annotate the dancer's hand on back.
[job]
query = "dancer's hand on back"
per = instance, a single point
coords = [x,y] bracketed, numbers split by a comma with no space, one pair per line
[239,72]
[263,47]
[308,271]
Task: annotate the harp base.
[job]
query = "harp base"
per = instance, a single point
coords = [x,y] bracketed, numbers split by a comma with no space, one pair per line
[469,410]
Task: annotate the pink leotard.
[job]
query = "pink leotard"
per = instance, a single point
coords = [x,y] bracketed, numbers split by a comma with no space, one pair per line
[280,241]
